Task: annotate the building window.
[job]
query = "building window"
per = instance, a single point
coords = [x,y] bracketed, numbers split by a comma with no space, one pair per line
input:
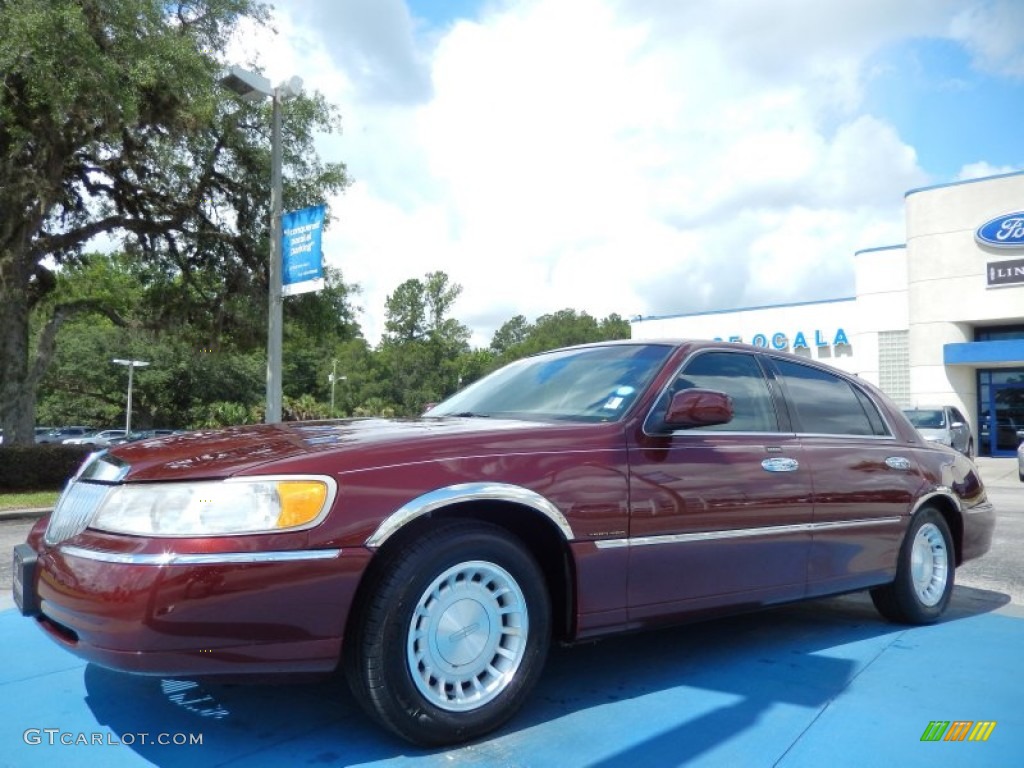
[894,365]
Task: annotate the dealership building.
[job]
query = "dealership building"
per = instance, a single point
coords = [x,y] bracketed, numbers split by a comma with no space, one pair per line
[938,320]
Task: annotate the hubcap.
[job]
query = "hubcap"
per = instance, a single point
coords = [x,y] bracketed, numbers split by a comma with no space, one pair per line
[929,564]
[467,636]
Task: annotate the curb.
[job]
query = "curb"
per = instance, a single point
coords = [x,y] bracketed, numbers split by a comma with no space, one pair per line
[24,514]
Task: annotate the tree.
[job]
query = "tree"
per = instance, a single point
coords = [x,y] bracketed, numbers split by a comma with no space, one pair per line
[421,345]
[518,338]
[112,122]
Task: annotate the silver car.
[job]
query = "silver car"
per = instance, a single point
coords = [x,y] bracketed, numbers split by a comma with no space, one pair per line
[943,424]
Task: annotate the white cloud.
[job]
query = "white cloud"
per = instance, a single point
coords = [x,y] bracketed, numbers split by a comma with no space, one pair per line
[630,157]
[993,31]
[982,169]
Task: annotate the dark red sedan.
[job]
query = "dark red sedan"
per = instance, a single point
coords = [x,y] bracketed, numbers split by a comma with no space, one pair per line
[569,495]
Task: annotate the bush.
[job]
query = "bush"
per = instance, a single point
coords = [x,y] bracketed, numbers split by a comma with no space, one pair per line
[45,467]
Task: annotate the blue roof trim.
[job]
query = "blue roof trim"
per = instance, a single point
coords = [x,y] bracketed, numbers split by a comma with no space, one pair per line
[982,352]
[742,309]
[910,192]
[901,246]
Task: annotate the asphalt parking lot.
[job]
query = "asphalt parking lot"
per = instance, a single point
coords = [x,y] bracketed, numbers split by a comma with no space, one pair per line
[826,682]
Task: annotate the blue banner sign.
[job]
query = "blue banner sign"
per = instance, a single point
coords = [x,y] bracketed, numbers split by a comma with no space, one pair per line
[302,260]
[1003,231]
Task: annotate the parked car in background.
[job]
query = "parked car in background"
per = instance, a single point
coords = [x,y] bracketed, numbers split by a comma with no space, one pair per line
[1020,459]
[943,424]
[41,433]
[577,493]
[60,434]
[100,439]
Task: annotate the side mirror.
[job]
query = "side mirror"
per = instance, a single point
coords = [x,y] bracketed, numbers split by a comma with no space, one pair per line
[698,408]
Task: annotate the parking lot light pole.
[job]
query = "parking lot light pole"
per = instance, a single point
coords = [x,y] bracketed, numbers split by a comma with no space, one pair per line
[132,365]
[333,376]
[251,86]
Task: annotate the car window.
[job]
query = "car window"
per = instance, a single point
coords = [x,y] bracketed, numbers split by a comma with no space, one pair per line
[957,416]
[827,404]
[583,384]
[739,376]
[926,418]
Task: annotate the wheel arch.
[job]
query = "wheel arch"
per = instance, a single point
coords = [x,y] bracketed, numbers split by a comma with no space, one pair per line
[947,505]
[532,520]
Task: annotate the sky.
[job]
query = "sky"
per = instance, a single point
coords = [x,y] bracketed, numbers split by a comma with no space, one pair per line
[641,157]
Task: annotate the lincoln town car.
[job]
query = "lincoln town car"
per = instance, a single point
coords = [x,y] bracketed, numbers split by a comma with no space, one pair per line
[581,492]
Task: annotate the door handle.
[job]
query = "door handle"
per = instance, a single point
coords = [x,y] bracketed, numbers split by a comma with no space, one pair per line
[780,464]
[897,462]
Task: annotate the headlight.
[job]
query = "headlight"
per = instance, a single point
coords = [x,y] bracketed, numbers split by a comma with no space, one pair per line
[212,508]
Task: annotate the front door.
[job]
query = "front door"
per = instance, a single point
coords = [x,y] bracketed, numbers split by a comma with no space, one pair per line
[719,516]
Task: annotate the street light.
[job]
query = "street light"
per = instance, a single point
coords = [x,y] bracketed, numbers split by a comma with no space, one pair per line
[132,365]
[250,86]
[334,378]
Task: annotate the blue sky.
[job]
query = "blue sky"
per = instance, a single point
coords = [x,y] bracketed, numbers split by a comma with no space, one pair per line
[950,112]
[643,156]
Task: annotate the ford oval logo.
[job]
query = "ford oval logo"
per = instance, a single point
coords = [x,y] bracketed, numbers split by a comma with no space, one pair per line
[1003,232]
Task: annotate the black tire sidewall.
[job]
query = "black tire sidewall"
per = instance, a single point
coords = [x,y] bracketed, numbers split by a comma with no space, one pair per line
[410,713]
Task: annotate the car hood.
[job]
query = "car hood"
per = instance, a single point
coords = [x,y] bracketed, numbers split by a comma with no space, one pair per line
[338,445]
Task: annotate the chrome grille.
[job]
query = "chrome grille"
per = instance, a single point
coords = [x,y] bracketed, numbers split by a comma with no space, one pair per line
[74,510]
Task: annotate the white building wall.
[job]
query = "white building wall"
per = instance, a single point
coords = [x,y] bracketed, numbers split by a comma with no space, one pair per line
[948,294]
[880,276]
[818,324]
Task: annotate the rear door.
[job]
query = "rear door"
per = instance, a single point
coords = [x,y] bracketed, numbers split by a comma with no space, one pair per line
[865,479]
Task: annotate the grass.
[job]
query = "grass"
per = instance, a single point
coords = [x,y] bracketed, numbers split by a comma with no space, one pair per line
[28,500]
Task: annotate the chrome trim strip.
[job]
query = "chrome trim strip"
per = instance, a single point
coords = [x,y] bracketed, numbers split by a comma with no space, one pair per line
[742,533]
[940,490]
[205,558]
[462,492]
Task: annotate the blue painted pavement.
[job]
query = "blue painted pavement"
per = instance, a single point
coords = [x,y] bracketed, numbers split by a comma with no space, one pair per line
[822,683]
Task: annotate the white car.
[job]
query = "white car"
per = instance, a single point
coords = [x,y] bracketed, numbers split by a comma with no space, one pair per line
[101,439]
[942,424]
[1020,460]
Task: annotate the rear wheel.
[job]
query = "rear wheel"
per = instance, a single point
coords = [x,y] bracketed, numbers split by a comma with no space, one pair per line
[453,636]
[924,574]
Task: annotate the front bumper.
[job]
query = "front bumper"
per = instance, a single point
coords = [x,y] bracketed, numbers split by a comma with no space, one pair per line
[189,613]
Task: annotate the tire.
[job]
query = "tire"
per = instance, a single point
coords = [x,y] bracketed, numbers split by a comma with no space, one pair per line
[970,449]
[924,573]
[452,636]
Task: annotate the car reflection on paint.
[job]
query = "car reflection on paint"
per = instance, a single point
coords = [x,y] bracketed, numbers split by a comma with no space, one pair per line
[573,494]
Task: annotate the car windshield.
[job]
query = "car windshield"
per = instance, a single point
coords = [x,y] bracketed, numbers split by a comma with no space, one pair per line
[588,384]
[926,418]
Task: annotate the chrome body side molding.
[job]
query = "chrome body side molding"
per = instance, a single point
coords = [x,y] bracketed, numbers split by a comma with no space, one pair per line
[742,533]
[463,492]
[204,558]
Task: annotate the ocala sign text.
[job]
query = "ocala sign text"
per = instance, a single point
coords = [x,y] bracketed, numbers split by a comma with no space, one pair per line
[780,340]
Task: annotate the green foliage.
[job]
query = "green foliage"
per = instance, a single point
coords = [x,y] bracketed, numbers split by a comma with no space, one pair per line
[518,338]
[422,346]
[112,121]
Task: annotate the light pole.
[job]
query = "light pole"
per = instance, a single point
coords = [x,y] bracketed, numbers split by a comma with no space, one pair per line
[334,380]
[132,365]
[251,86]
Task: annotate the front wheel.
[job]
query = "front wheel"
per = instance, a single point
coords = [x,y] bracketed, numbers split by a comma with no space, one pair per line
[924,574]
[453,635]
